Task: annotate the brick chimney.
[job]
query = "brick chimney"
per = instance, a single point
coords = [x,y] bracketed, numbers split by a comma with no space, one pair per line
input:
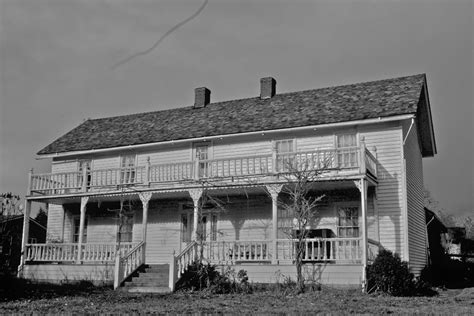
[267,87]
[202,97]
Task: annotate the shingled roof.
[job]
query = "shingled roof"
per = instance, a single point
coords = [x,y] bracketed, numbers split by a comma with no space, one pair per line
[359,101]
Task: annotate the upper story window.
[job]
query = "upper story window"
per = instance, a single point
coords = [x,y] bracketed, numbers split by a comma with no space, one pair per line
[284,149]
[284,146]
[346,145]
[346,140]
[127,166]
[201,152]
[85,166]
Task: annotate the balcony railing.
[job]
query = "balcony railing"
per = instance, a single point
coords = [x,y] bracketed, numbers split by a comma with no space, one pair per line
[355,160]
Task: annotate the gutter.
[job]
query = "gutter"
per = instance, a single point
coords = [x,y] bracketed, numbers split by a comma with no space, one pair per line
[207,138]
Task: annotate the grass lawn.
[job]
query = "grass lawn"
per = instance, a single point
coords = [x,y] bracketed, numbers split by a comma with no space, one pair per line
[66,299]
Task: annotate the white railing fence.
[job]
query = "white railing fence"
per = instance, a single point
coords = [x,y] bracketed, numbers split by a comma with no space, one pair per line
[69,252]
[346,159]
[321,249]
[232,251]
[128,263]
[180,262]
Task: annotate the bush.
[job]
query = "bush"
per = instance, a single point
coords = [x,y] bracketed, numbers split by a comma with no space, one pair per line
[389,274]
[200,277]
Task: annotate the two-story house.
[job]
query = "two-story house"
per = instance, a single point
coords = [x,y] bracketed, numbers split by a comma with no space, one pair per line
[125,191]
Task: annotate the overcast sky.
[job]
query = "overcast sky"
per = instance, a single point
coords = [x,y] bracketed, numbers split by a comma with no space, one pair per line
[56,60]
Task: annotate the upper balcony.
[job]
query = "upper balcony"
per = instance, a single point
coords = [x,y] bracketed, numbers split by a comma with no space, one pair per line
[335,164]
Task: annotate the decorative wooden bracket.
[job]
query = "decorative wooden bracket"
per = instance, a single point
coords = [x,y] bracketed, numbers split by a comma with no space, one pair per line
[84,201]
[274,190]
[145,197]
[195,195]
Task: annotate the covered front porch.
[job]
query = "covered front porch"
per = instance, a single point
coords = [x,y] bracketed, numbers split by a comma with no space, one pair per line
[250,232]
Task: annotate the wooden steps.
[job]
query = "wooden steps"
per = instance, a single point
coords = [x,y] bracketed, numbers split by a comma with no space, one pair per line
[149,279]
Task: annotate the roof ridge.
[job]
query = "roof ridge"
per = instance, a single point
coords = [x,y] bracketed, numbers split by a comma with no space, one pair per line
[338,103]
[190,107]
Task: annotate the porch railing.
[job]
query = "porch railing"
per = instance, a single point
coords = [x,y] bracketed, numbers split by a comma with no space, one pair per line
[233,251]
[69,252]
[180,262]
[321,249]
[128,263]
[346,160]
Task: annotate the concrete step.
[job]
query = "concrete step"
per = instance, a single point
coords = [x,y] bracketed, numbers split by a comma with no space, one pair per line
[148,289]
[149,279]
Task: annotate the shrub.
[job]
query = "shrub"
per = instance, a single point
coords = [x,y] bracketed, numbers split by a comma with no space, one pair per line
[200,277]
[389,274]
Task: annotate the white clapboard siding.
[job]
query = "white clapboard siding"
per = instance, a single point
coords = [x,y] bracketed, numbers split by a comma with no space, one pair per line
[181,153]
[246,220]
[101,229]
[55,222]
[315,142]
[98,274]
[105,162]
[327,274]
[417,243]
[387,139]
[163,231]
[249,147]
[64,166]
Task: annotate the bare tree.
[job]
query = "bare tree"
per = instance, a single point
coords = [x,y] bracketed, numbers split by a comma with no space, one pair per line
[298,200]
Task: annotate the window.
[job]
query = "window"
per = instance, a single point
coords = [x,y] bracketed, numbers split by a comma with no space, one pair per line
[207,227]
[285,154]
[75,236]
[346,145]
[185,228]
[213,227]
[202,153]
[85,164]
[348,222]
[126,229]
[127,166]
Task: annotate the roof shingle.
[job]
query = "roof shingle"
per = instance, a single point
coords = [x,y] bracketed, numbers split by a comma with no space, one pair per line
[359,101]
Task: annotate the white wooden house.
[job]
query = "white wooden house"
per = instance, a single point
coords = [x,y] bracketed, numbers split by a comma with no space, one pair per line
[157,165]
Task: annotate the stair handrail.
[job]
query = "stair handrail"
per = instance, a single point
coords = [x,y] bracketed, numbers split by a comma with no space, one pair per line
[179,262]
[128,264]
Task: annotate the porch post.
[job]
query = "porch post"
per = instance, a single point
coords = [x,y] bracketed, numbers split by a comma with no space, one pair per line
[195,195]
[362,186]
[25,235]
[82,221]
[145,198]
[274,190]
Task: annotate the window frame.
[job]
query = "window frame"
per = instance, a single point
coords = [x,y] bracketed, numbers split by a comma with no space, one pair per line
[280,161]
[73,228]
[120,233]
[346,205]
[347,156]
[128,172]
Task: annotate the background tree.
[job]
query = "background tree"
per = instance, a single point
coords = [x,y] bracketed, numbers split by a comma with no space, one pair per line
[10,204]
[42,217]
